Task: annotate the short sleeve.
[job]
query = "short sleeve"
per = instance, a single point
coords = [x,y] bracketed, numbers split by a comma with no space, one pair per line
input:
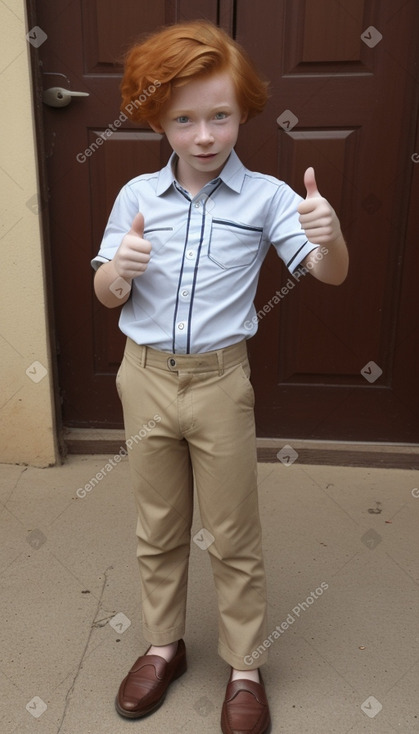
[125,208]
[284,229]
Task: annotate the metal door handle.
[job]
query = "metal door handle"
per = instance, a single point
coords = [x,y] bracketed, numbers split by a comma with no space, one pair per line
[60,97]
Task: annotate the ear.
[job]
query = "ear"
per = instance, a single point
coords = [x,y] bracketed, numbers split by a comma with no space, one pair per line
[244,117]
[155,125]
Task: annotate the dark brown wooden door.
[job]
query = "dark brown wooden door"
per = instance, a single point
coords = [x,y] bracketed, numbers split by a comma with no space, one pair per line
[332,363]
[341,363]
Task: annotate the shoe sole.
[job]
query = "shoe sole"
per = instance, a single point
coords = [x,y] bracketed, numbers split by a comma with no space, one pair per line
[267,731]
[154,707]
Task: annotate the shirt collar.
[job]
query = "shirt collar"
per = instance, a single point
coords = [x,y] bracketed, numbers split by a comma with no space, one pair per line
[232,174]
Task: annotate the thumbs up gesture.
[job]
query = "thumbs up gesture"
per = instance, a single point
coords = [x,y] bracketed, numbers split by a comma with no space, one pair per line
[317,218]
[132,257]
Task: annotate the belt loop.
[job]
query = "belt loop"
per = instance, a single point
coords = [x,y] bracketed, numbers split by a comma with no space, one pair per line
[220,361]
[143,358]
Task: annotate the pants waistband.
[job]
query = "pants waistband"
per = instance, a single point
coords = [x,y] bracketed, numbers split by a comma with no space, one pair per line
[215,361]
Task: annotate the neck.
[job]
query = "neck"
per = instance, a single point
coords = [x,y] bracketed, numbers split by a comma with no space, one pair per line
[193,181]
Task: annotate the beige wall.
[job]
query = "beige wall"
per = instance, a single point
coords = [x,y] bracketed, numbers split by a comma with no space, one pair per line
[27,430]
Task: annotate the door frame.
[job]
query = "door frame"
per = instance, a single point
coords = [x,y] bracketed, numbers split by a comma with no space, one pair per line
[44,215]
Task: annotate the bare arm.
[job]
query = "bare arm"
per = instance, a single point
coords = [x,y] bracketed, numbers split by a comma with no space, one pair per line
[113,280]
[111,289]
[322,227]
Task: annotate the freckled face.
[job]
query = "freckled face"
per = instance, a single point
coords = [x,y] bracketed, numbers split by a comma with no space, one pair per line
[201,123]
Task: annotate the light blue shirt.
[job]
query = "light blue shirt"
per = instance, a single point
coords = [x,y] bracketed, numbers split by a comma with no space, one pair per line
[198,290]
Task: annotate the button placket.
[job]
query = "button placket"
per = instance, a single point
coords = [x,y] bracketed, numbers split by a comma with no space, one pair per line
[185,289]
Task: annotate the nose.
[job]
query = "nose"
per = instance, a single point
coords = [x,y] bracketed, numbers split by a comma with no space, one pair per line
[204,135]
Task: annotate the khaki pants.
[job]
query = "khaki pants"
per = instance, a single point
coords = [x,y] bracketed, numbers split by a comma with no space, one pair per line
[189,421]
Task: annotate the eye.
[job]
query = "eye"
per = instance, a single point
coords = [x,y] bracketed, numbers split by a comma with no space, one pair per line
[221,115]
[182,119]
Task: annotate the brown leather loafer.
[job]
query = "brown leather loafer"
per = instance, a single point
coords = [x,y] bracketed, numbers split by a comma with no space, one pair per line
[144,689]
[245,708]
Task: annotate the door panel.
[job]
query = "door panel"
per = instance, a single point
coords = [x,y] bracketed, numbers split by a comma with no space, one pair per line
[111,27]
[346,105]
[323,35]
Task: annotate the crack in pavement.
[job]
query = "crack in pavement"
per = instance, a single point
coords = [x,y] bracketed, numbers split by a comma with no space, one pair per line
[93,626]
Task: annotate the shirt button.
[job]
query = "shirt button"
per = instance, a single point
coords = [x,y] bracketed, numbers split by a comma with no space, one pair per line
[190,254]
[181,325]
[197,205]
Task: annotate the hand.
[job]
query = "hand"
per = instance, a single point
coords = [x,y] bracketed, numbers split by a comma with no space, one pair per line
[133,255]
[317,218]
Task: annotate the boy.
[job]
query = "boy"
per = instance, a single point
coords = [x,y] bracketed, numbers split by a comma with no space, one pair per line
[184,247]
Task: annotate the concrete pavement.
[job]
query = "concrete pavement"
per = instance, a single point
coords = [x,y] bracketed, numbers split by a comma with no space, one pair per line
[342,559]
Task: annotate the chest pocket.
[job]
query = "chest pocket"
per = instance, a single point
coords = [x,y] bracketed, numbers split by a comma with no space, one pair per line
[233,245]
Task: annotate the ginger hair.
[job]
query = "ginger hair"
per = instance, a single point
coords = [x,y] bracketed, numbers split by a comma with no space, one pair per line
[178,54]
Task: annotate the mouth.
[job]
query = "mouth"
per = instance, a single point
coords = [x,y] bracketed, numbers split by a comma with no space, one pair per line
[205,156]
